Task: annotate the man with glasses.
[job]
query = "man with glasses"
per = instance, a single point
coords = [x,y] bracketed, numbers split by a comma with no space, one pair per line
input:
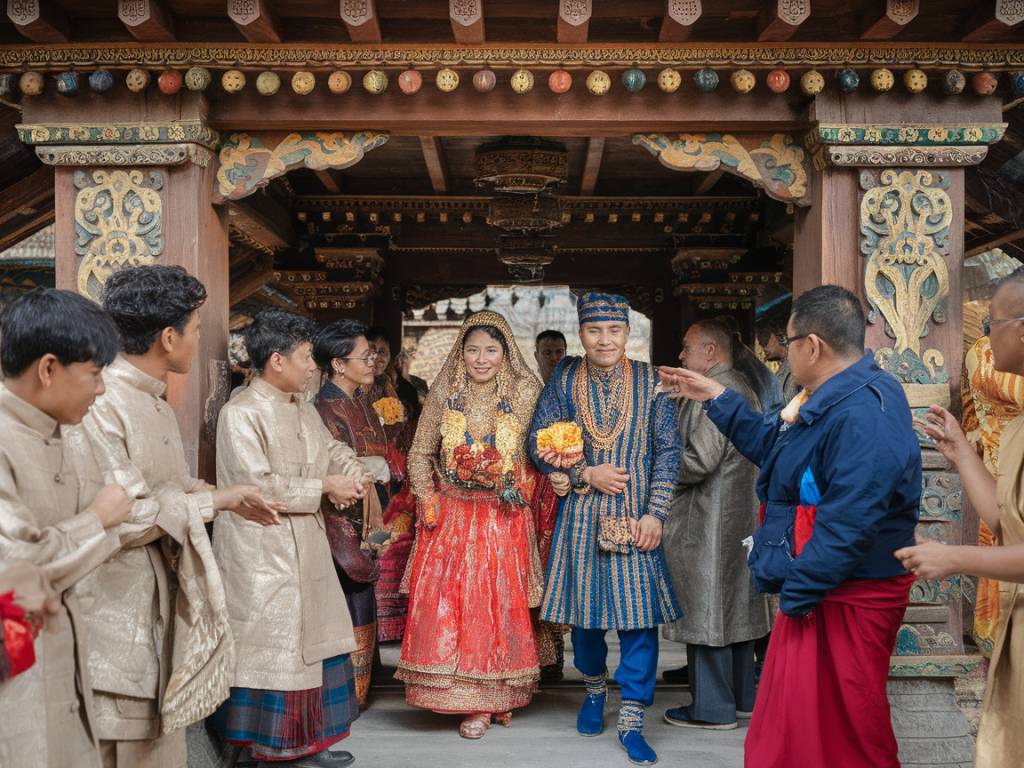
[771,335]
[840,487]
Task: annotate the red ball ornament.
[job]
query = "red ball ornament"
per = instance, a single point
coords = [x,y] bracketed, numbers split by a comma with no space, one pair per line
[410,81]
[559,81]
[984,83]
[170,81]
[777,81]
[484,80]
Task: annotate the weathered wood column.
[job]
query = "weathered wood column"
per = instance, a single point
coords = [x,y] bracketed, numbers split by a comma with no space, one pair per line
[134,184]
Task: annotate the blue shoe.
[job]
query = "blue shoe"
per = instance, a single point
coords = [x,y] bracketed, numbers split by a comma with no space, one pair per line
[681,716]
[637,748]
[590,720]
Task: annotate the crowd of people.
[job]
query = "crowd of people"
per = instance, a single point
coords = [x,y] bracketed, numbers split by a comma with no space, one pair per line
[478,523]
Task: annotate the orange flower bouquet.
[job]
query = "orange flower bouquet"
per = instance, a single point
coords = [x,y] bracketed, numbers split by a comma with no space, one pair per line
[477,465]
[561,444]
[390,410]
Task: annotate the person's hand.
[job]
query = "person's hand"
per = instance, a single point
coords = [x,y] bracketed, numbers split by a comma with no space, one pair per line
[678,383]
[112,505]
[32,590]
[345,491]
[560,483]
[928,559]
[606,478]
[942,427]
[646,533]
[246,501]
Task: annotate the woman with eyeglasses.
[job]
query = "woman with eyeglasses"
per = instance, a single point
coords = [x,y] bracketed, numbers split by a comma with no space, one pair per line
[347,362]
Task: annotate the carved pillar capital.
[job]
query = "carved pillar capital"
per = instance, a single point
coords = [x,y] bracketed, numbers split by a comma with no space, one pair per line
[902,145]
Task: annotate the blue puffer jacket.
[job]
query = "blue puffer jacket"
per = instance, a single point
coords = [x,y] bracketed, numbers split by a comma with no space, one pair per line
[839,489]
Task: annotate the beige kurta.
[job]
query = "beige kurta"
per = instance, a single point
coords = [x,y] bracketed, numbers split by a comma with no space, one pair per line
[45,712]
[1000,736]
[130,437]
[285,603]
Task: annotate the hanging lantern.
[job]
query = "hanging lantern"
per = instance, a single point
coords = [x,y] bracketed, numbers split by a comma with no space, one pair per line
[410,81]
[101,81]
[559,81]
[777,81]
[137,80]
[375,82]
[634,79]
[743,81]
[954,82]
[484,80]
[32,83]
[339,81]
[669,80]
[170,80]
[705,79]
[303,82]
[233,81]
[268,83]
[812,83]
[67,83]
[848,80]
[882,80]
[915,80]
[447,80]
[984,83]
[198,79]
[599,83]
[522,81]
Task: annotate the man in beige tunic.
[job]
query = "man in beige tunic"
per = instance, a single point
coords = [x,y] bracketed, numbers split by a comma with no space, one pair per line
[53,346]
[130,436]
[293,693]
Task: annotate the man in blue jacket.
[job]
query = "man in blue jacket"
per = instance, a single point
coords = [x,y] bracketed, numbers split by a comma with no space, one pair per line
[839,486]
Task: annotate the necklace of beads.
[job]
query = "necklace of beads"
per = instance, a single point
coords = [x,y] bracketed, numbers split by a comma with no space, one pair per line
[605,438]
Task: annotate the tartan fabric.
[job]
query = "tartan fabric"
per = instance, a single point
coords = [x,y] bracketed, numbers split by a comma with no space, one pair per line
[284,725]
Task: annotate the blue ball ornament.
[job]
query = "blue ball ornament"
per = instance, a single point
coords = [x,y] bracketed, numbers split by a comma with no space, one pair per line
[67,83]
[634,80]
[848,80]
[101,81]
[705,79]
[1017,83]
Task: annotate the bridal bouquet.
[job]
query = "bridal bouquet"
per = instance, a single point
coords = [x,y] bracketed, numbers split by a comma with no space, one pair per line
[561,444]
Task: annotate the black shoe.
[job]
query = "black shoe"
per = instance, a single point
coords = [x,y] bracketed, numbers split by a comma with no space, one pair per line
[323,759]
[679,676]
[553,673]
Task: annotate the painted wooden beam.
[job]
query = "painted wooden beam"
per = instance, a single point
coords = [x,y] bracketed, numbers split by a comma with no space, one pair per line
[361,20]
[467,17]
[327,179]
[708,182]
[29,192]
[433,156]
[264,221]
[592,166]
[988,24]
[889,18]
[781,19]
[148,21]
[574,21]
[678,20]
[255,20]
[41,21]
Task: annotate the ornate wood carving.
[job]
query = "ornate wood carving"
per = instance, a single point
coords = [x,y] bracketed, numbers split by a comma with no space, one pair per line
[467,21]
[254,20]
[1010,12]
[118,223]
[41,21]
[905,156]
[146,20]
[781,21]
[574,21]
[185,131]
[678,20]
[248,162]
[776,163]
[126,154]
[896,15]
[908,135]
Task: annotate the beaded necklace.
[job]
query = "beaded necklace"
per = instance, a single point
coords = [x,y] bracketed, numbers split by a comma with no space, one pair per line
[604,439]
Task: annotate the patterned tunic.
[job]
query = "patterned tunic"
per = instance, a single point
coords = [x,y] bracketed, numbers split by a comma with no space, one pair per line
[586,586]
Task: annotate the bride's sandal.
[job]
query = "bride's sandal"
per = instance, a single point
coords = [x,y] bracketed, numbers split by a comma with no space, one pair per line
[505,718]
[475,726]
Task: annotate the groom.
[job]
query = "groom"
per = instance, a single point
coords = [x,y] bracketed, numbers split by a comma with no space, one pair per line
[606,569]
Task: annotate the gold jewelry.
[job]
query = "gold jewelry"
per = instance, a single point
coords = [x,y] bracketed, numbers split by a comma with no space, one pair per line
[604,439]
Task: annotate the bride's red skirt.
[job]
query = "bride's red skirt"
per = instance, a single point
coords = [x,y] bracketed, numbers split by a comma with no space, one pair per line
[469,643]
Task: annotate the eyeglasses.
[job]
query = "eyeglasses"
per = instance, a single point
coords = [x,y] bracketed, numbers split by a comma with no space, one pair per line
[787,340]
[988,322]
[369,359]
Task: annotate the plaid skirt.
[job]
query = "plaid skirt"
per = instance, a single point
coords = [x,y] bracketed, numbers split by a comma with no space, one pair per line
[285,725]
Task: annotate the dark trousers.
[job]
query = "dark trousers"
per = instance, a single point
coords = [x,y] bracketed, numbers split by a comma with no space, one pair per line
[638,666]
[721,681]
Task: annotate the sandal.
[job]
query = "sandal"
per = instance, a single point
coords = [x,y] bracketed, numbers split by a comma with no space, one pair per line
[505,718]
[475,726]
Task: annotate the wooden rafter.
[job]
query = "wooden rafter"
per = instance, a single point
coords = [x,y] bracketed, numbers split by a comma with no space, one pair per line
[330,183]
[574,21]
[994,242]
[263,221]
[992,24]
[708,182]
[245,286]
[360,17]
[255,20]
[22,198]
[148,21]
[678,21]
[41,21]
[467,17]
[889,19]
[592,166]
[433,156]
[781,19]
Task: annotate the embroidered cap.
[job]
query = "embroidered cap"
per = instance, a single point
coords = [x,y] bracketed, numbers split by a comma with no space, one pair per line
[602,307]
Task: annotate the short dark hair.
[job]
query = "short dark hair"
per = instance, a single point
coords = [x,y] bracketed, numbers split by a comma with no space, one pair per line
[48,321]
[145,300]
[275,330]
[378,333]
[834,314]
[550,335]
[335,340]
[490,330]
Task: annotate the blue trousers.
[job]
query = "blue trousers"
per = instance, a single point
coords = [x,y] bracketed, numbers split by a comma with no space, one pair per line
[638,666]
